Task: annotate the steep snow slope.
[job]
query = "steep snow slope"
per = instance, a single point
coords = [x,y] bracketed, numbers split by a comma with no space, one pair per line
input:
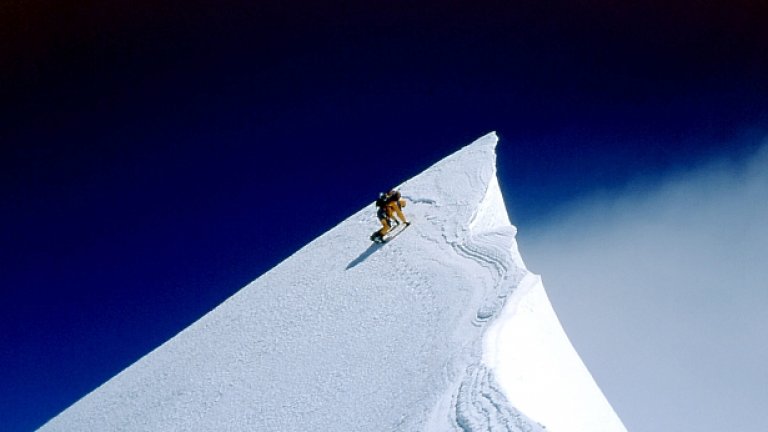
[441,329]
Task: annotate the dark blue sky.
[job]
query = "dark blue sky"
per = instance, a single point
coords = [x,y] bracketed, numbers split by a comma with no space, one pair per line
[157,156]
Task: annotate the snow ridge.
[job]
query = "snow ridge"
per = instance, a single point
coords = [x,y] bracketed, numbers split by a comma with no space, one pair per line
[485,237]
[478,402]
[346,335]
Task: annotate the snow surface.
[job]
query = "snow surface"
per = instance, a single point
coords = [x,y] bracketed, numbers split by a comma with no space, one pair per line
[442,329]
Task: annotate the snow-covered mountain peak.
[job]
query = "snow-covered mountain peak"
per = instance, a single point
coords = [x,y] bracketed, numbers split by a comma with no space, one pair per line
[436,330]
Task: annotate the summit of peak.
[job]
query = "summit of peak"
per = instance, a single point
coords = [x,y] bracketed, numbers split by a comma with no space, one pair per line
[349,335]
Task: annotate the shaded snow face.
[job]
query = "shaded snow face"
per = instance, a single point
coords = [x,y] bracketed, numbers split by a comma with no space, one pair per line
[349,335]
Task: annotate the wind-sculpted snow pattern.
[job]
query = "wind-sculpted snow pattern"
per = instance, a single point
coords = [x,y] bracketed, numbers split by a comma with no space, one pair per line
[481,405]
[346,335]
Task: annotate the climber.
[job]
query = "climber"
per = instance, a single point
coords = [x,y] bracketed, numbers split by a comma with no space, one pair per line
[387,205]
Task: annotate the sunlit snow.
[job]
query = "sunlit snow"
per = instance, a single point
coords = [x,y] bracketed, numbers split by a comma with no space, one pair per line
[440,329]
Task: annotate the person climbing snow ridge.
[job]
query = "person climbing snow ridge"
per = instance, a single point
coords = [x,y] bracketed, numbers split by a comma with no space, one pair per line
[388,205]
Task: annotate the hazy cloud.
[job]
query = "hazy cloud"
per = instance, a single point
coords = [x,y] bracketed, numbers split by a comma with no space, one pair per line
[663,289]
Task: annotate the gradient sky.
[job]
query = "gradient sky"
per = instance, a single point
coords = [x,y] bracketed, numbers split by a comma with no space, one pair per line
[661,286]
[157,156]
